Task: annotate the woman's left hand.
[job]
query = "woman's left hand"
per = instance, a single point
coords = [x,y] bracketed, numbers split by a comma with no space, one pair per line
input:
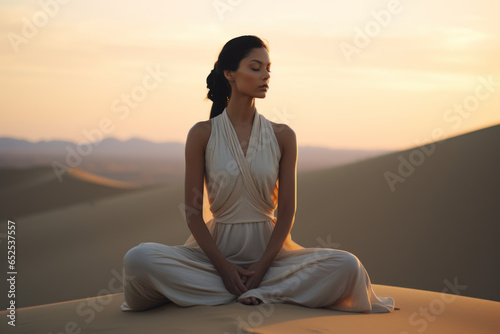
[253,281]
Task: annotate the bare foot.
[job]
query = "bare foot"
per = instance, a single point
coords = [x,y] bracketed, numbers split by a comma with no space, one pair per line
[250,301]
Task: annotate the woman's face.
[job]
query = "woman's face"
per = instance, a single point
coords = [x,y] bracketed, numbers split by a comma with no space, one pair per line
[252,73]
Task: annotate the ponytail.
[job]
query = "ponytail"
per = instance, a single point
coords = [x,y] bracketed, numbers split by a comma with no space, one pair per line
[219,91]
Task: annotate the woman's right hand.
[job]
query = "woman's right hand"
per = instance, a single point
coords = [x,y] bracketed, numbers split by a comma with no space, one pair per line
[232,276]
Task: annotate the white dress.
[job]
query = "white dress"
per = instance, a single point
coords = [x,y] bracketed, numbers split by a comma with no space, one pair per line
[242,198]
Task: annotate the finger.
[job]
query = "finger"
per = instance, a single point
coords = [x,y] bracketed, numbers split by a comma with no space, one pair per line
[248,284]
[248,274]
[252,284]
[241,286]
[236,291]
[245,271]
[237,285]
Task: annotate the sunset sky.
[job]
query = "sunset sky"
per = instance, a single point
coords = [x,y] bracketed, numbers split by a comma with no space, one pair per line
[345,74]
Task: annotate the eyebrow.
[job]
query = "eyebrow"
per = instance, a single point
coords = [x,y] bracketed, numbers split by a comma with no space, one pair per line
[258,61]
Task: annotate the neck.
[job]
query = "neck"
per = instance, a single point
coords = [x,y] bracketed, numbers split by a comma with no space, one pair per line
[241,110]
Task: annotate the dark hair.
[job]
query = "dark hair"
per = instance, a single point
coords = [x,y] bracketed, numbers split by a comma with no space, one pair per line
[229,59]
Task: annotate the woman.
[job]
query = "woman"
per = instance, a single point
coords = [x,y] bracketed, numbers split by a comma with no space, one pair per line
[241,251]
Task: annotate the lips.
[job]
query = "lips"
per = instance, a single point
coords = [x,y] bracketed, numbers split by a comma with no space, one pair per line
[264,86]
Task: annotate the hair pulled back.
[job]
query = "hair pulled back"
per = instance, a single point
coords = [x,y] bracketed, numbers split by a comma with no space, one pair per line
[229,59]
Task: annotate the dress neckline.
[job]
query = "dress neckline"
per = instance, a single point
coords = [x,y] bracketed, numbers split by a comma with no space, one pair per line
[252,133]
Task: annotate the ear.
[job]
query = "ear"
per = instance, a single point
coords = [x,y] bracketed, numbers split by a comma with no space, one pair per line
[229,75]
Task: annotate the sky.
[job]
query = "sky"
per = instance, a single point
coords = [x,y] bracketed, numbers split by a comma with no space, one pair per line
[345,74]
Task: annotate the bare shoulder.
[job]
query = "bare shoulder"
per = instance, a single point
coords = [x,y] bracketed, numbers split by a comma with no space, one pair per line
[285,135]
[202,127]
[200,133]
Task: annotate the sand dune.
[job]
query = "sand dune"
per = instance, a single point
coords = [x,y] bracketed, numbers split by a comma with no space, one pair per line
[31,190]
[438,226]
[69,253]
[441,222]
[421,312]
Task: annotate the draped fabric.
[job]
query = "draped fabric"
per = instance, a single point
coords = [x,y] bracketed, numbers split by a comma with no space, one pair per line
[242,189]
[240,201]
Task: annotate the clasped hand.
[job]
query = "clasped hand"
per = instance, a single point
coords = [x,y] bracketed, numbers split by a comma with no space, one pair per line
[239,280]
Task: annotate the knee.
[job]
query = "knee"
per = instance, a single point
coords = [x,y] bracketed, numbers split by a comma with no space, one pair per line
[136,259]
[351,262]
[345,261]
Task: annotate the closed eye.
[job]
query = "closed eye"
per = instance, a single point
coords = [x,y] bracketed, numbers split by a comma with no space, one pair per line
[253,69]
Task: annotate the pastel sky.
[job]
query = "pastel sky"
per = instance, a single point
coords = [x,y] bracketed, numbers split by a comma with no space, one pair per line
[345,74]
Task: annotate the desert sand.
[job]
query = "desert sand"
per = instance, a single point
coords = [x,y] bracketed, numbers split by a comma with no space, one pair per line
[436,228]
[421,312]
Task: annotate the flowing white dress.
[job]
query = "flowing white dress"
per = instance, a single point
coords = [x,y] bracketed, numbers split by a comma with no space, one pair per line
[242,198]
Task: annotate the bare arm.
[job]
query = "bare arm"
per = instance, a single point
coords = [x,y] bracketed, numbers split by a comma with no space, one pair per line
[287,196]
[193,186]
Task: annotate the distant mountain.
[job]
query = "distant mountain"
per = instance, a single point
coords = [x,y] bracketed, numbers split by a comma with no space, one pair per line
[108,146]
[142,161]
